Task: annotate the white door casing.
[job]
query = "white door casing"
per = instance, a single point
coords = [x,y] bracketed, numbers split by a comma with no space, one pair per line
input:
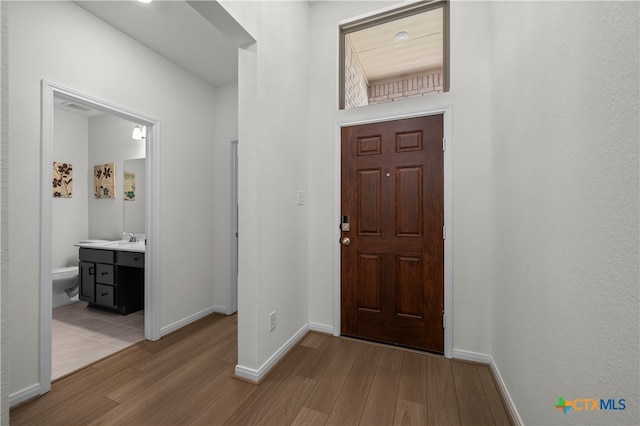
[152,218]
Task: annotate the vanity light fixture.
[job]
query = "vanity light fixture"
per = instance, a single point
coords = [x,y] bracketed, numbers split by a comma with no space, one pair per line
[139,132]
[402,36]
[145,1]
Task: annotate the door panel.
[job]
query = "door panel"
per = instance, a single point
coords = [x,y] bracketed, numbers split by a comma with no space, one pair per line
[393,268]
[409,286]
[409,207]
[369,145]
[370,197]
[369,282]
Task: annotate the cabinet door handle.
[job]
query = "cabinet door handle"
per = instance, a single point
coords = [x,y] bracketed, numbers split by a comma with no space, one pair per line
[104,294]
[104,273]
[92,270]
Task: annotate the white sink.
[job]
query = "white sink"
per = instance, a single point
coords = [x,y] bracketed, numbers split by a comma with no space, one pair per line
[118,243]
[123,245]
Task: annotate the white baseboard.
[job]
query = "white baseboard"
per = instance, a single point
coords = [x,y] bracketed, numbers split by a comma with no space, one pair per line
[188,320]
[220,309]
[24,394]
[254,375]
[472,356]
[488,359]
[503,391]
[321,328]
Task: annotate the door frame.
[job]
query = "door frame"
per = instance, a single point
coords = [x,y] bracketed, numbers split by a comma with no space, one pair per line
[446,111]
[232,291]
[152,217]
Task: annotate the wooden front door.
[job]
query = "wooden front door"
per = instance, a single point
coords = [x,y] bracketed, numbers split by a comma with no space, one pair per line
[393,251]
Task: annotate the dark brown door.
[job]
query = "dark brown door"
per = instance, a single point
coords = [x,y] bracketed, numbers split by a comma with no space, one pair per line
[393,265]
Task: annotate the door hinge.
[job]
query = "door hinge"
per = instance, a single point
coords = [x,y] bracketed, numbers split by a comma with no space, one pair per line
[444,232]
[444,144]
[444,320]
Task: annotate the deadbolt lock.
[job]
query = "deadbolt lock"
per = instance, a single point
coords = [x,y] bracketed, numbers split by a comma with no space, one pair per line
[345,224]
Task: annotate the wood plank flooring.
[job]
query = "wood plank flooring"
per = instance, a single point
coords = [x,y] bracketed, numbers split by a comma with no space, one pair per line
[186,378]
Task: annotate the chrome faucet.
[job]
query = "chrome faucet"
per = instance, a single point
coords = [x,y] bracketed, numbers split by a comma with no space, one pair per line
[132,238]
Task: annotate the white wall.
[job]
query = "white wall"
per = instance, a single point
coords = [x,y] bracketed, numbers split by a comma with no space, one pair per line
[70,215]
[273,129]
[110,142]
[4,370]
[471,145]
[565,206]
[62,43]
[226,124]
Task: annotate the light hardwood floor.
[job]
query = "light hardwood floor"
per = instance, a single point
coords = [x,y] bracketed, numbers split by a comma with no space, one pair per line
[186,378]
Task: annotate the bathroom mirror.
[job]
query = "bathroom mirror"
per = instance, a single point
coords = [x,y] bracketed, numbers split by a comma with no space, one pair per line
[134,196]
[111,142]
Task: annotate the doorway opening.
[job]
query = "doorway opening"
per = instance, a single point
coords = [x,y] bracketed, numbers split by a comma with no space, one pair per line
[52,93]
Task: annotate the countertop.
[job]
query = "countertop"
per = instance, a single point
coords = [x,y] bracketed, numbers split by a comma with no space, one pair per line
[118,245]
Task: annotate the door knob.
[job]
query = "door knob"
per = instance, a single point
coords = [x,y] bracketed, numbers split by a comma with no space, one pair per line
[346,241]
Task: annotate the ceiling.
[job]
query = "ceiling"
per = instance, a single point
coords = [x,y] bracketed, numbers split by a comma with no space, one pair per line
[382,57]
[176,31]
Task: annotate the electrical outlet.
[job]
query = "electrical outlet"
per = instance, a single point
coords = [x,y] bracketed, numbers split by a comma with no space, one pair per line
[272,321]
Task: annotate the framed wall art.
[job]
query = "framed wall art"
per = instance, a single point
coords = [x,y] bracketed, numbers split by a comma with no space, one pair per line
[62,180]
[104,180]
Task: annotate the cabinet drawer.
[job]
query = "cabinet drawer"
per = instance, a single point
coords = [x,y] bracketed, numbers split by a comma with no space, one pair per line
[105,274]
[105,295]
[96,256]
[131,258]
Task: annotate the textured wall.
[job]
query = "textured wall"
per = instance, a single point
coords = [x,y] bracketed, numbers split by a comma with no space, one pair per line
[565,206]
[273,139]
[4,287]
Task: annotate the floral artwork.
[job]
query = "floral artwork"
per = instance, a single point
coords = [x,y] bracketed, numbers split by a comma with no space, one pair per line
[129,186]
[62,180]
[104,180]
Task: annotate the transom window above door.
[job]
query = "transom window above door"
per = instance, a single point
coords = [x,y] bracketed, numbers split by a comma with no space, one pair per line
[394,55]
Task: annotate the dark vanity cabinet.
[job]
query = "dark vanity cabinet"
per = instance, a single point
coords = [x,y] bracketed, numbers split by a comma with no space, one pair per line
[112,279]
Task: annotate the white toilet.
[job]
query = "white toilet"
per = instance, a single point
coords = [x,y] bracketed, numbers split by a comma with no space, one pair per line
[66,279]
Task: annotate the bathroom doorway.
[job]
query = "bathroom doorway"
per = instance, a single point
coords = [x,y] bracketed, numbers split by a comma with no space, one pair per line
[107,225]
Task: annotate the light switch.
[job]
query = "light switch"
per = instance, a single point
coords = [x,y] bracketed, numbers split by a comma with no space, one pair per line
[300,197]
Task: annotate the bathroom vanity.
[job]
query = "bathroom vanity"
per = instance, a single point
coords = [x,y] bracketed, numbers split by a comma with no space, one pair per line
[112,276]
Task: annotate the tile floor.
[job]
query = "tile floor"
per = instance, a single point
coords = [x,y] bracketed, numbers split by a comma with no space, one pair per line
[81,336]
